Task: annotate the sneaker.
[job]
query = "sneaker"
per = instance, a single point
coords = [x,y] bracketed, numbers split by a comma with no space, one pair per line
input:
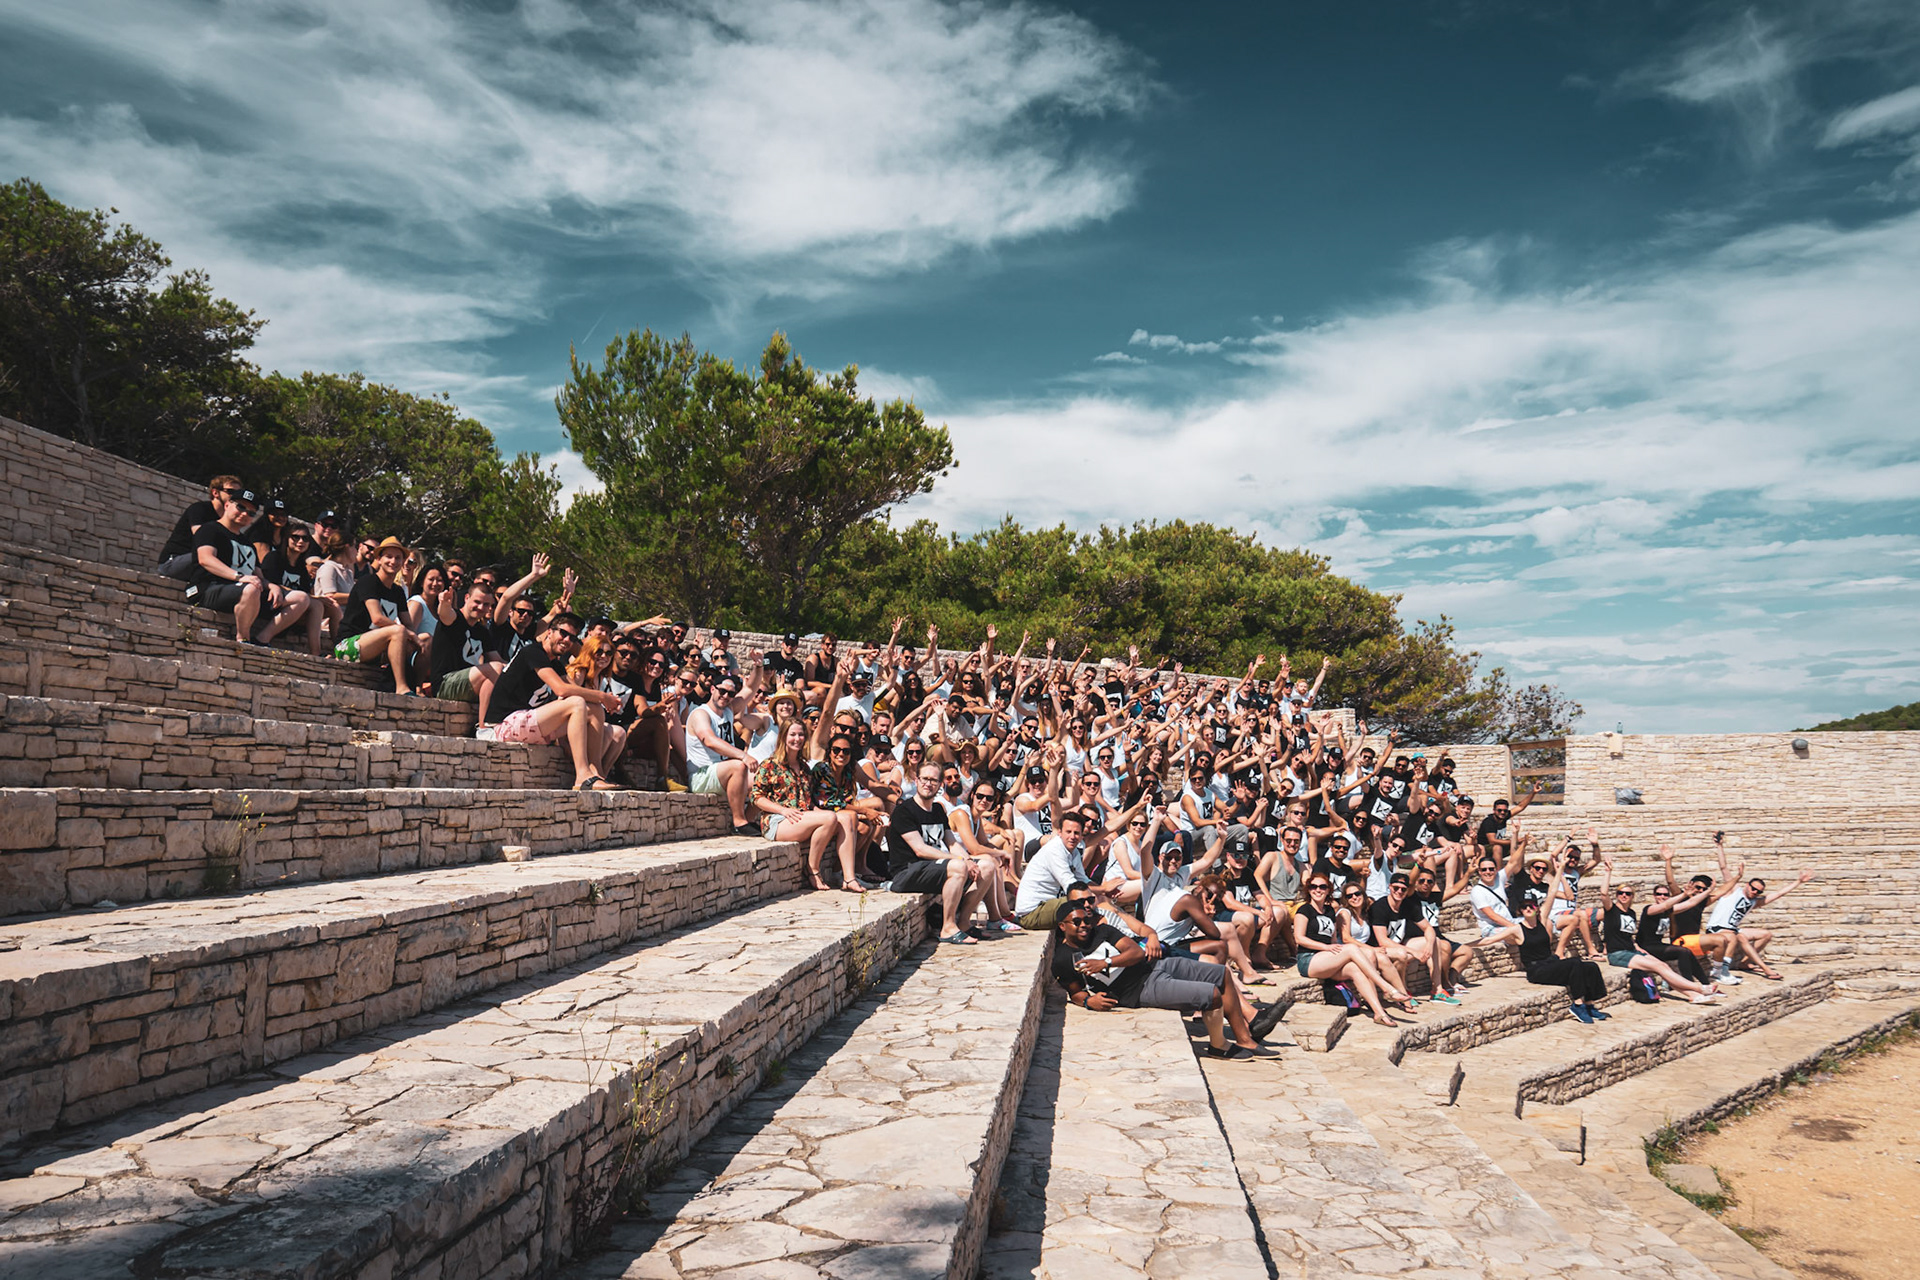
[1599,1014]
[1730,978]
[1585,1015]
[672,785]
[1696,998]
[1443,997]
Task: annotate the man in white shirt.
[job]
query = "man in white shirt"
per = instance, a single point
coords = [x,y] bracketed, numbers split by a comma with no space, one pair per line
[1056,866]
[1489,900]
[1731,911]
[716,762]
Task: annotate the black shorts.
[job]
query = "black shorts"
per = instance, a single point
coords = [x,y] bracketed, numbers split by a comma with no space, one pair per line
[222,596]
[928,875]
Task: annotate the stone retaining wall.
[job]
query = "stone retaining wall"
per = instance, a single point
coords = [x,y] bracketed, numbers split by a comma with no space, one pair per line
[229,681]
[1471,1028]
[53,601]
[58,743]
[1568,1081]
[84,1035]
[73,847]
[1743,768]
[85,502]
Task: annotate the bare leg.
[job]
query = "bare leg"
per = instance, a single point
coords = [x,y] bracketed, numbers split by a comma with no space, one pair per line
[1667,974]
[952,894]
[616,743]
[246,610]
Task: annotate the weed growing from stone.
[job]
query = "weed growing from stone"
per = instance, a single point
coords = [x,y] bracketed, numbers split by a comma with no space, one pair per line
[227,845]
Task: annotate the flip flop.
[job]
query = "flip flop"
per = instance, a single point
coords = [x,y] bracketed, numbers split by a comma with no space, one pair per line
[595,782]
[961,940]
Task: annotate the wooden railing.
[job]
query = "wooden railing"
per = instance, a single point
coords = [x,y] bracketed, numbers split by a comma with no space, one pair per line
[1543,761]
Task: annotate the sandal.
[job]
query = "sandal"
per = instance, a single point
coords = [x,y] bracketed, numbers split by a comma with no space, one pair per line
[961,939]
[594,782]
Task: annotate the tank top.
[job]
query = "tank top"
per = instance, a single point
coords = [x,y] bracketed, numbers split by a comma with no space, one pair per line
[1358,927]
[1159,917]
[1202,800]
[1036,824]
[1654,930]
[698,755]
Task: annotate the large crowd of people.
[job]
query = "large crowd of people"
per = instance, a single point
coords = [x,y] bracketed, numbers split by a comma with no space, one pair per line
[1187,837]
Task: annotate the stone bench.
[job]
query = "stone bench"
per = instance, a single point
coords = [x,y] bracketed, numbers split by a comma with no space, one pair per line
[879,1151]
[47,742]
[76,846]
[484,1140]
[106,1010]
[233,681]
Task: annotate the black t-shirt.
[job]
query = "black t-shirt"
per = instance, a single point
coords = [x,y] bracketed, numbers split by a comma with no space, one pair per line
[1493,827]
[233,550]
[1322,926]
[180,541]
[1687,923]
[929,824]
[515,688]
[1619,926]
[358,619]
[278,571]
[1654,929]
[626,715]
[780,664]
[1399,923]
[457,645]
[1415,829]
[1122,984]
[1524,890]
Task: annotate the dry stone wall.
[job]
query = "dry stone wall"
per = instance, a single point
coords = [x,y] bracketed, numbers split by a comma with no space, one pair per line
[86,1032]
[1745,768]
[81,502]
[69,847]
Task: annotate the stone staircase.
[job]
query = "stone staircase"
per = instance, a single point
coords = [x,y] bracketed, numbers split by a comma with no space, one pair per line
[273,1005]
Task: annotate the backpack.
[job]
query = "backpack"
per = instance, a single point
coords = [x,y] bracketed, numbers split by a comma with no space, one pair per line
[1340,995]
[1643,987]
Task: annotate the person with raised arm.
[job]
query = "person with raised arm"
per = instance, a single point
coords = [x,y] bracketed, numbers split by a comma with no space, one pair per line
[1620,926]
[1729,915]
[1585,986]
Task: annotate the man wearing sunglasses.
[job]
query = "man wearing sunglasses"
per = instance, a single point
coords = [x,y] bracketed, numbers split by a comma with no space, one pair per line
[516,620]
[177,559]
[534,702]
[1102,968]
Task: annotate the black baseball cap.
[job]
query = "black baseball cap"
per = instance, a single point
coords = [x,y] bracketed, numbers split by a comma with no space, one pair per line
[790,638]
[1036,774]
[1239,847]
[330,517]
[273,507]
[249,497]
[723,634]
[603,621]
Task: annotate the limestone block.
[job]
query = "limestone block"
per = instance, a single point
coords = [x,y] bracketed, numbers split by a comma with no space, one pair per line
[1694,1179]
[1316,1027]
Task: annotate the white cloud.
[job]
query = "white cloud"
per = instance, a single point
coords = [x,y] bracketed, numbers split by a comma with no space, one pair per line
[1118,357]
[1746,69]
[1647,437]
[1894,113]
[1172,342]
[781,147]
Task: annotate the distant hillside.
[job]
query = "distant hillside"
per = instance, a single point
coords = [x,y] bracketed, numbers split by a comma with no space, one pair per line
[1907,717]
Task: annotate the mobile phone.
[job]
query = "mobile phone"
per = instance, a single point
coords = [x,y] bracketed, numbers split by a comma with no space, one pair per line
[1719,837]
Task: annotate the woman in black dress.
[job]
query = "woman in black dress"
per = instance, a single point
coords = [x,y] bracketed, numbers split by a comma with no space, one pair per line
[1581,978]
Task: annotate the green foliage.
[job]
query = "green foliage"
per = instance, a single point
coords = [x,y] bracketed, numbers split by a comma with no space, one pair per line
[400,464]
[96,345]
[1901,717]
[1204,596]
[726,489]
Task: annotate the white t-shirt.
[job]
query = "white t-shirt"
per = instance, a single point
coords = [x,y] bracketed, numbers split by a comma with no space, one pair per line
[698,755]
[863,706]
[1050,872]
[1484,900]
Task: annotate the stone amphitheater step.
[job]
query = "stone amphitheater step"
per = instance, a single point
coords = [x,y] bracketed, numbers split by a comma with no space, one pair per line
[237,681]
[51,742]
[86,502]
[1714,1082]
[80,846]
[53,600]
[1494,1218]
[1772,838]
[107,1010]
[483,1140]
[878,1153]
[1118,1167]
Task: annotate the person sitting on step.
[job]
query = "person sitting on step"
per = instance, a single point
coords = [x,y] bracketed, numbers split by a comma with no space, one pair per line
[1102,968]
[518,711]
[177,557]
[227,576]
[1582,979]
[1729,916]
[1619,926]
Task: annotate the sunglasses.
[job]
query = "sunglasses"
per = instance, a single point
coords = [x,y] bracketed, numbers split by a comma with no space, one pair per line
[1321,885]
[571,637]
[839,751]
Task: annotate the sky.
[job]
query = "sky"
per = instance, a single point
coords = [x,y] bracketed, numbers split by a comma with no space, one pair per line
[1594,327]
